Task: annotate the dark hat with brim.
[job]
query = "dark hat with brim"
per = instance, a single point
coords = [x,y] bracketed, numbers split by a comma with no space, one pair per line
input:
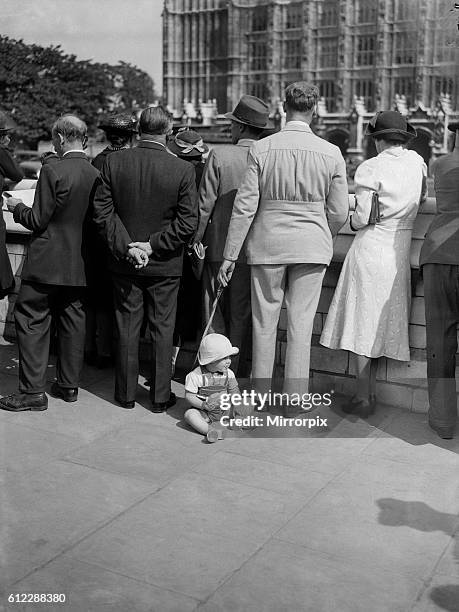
[122,122]
[187,143]
[252,111]
[453,126]
[6,123]
[391,124]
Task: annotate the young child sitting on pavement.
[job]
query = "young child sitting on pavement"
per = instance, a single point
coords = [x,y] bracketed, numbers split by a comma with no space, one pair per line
[206,384]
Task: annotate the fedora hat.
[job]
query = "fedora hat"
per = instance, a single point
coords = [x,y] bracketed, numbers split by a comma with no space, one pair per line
[6,123]
[390,123]
[122,122]
[187,143]
[251,111]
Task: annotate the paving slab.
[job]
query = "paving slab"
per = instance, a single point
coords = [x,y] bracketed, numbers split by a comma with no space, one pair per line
[262,474]
[329,456]
[190,535]
[90,588]
[47,510]
[447,572]
[441,594]
[153,448]
[24,448]
[87,419]
[284,577]
[380,523]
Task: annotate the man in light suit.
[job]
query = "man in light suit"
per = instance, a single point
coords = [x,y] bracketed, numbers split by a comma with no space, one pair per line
[292,202]
[223,173]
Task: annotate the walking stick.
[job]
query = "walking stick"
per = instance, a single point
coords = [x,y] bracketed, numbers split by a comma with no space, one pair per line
[209,322]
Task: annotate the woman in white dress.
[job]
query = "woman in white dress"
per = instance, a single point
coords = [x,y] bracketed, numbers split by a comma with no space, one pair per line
[369,313]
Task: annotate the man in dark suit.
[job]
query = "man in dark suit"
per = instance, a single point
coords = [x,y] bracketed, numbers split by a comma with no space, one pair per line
[53,278]
[439,260]
[146,195]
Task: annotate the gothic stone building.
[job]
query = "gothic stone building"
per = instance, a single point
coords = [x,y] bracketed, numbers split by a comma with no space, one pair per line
[365,55]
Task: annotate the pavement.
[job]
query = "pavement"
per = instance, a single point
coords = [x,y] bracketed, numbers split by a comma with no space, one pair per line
[125,510]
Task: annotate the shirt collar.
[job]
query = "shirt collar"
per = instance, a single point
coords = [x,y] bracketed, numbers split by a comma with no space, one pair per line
[296,124]
[151,140]
[246,142]
[74,151]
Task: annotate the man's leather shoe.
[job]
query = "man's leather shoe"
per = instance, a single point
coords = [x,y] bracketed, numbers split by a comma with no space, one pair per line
[445,433]
[158,407]
[24,401]
[128,404]
[68,394]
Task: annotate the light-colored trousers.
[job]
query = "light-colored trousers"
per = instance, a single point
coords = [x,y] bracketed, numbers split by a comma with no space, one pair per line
[301,285]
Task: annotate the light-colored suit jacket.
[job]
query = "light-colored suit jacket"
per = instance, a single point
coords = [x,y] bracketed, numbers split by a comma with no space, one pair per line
[222,177]
[293,199]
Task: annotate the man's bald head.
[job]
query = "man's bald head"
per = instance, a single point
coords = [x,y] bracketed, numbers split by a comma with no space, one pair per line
[71,128]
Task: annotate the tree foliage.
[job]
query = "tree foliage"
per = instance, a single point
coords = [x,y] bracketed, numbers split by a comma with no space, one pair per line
[38,84]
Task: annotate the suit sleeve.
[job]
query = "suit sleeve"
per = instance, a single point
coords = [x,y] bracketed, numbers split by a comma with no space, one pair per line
[38,217]
[208,194]
[9,168]
[337,206]
[244,209]
[183,227]
[108,223]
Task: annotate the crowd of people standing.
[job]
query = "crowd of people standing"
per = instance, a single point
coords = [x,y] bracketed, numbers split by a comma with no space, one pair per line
[265,211]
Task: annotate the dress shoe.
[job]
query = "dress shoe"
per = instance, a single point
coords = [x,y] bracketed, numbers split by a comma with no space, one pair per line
[128,404]
[445,433]
[68,394]
[24,401]
[158,407]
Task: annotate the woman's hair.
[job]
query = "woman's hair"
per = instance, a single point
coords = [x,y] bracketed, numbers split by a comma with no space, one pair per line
[392,139]
[118,138]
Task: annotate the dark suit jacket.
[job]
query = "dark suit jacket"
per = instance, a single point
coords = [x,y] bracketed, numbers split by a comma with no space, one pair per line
[56,219]
[147,194]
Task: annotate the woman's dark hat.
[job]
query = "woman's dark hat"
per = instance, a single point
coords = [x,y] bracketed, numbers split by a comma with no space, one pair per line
[251,111]
[391,124]
[453,126]
[6,123]
[122,122]
[187,143]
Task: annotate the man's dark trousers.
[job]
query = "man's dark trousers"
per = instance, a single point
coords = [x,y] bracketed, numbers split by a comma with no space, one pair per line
[441,292]
[159,294]
[35,306]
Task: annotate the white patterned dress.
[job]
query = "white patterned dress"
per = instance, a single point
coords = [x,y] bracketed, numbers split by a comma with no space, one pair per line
[369,313]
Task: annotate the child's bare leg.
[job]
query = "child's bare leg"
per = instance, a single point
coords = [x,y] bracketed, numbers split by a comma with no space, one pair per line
[194,418]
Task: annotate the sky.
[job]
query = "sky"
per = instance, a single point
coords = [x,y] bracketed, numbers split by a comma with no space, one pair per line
[102,30]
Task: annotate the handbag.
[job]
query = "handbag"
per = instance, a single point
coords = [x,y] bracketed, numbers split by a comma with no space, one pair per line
[375,212]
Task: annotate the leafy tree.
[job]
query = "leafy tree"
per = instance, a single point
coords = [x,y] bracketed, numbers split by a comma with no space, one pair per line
[37,84]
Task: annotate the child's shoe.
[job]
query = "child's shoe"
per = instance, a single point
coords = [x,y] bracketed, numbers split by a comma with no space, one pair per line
[215,434]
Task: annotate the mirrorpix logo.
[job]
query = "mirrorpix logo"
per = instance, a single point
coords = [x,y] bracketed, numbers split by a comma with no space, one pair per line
[240,409]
